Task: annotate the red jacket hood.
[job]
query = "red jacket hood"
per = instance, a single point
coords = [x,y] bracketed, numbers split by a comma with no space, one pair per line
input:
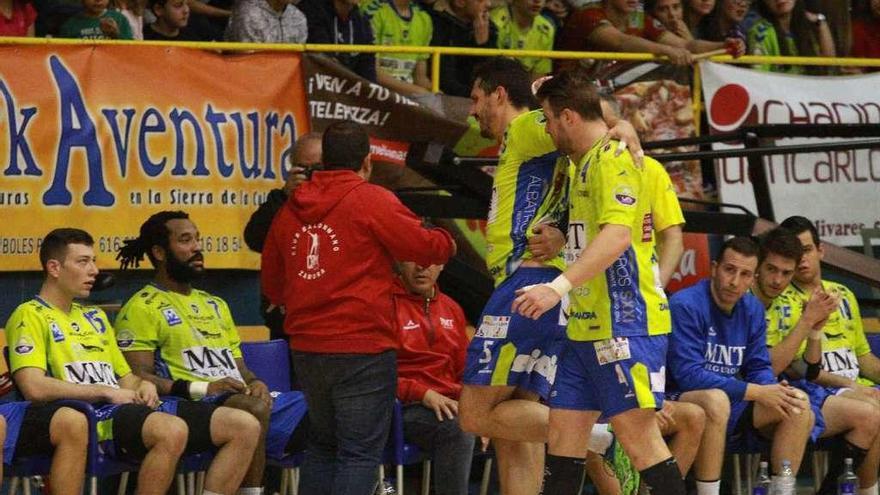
[312,200]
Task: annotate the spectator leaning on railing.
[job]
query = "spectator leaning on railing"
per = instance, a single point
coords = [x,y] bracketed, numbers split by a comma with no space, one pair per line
[788,29]
[17,18]
[96,21]
[462,23]
[521,26]
[401,23]
[172,18]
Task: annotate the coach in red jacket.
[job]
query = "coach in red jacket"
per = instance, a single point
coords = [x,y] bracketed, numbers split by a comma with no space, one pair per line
[328,261]
[430,362]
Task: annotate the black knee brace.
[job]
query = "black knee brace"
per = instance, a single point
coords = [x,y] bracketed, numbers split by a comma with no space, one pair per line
[663,478]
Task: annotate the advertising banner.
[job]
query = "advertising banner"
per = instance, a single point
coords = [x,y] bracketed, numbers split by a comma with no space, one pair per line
[100,138]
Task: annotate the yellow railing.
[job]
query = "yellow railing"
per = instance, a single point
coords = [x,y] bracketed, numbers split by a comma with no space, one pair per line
[438,51]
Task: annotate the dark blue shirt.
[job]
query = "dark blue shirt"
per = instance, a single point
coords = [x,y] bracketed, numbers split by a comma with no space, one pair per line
[709,348]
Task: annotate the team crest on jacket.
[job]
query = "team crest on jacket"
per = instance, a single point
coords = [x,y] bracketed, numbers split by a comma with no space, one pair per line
[313,240]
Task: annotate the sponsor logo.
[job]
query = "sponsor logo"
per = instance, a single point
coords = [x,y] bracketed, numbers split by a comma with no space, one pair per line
[91,373]
[624,195]
[536,362]
[841,362]
[81,348]
[447,323]
[647,227]
[727,355]
[194,307]
[171,317]
[315,238]
[712,331]
[210,362]
[24,346]
[575,242]
[411,325]
[125,339]
[493,327]
[582,315]
[57,334]
[74,326]
[612,350]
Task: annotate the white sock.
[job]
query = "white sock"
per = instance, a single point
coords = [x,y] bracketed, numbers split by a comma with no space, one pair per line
[246,490]
[600,439]
[708,487]
[871,490]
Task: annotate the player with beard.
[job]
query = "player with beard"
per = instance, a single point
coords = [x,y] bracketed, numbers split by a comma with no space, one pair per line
[185,342]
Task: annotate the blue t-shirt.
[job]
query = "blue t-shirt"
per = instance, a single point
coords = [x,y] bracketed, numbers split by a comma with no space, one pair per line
[712,349]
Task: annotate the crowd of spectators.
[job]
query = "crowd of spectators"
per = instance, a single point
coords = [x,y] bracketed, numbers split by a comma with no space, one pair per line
[677,29]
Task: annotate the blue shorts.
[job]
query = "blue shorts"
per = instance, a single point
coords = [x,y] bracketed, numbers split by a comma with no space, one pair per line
[511,350]
[741,430]
[817,395]
[13,413]
[612,376]
[288,409]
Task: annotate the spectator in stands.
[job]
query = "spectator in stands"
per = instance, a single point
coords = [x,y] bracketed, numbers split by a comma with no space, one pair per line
[204,363]
[267,21]
[209,19]
[847,360]
[328,261]
[794,333]
[68,351]
[696,15]
[306,157]
[866,31]
[786,28]
[521,26]
[557,11]
[430,363]
[17,18]
[340,22]
[133,10]
[719,342]
[96,21]
[172,17]
[463,23]
[403,23]
[617,26]
[671,14]
[726,20]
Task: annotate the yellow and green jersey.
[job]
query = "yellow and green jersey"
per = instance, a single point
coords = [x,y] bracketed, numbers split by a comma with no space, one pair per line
[843,339]
[538,36]
[627,299]
[77,347]
[391,28]
[782,316]
[529,188]
[193,336]
[665,209]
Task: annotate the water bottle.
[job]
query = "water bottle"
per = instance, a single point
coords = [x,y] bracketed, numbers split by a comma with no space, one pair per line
[848,481]
[785,483]
[762,485]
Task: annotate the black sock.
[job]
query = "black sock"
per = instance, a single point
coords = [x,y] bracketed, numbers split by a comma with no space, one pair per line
[854,452]
[835,466]
[563,475]
[663,478]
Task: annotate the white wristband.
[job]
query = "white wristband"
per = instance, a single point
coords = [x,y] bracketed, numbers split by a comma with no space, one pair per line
[560,285]
[197,390]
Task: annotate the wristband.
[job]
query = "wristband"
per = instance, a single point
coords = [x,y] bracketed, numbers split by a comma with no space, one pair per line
[560,285]
[816,334]
[180,388]
[197,390]
[813,370]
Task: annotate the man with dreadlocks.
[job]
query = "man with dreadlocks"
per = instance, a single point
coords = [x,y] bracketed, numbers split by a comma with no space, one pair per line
[185,342]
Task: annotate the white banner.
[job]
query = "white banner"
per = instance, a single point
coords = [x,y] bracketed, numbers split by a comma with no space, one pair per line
[838,190]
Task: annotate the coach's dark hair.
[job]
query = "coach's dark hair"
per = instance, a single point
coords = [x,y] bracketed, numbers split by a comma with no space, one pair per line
[571,89]
[745,246]
[783,242]
[154,232]
[798,225]
[344,146]
[54,245]
[509,74]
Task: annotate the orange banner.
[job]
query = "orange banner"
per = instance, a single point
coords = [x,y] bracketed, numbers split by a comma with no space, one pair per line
[100,137]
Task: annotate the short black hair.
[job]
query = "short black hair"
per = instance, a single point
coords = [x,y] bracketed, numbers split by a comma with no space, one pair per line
[54,245]
[783,242]
[571,89]
[798,225]
[509,74]
[154,232]
[745,246]
[344,146]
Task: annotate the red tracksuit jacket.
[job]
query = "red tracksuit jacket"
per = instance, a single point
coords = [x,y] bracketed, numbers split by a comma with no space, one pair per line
[328,260]
[433,344]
